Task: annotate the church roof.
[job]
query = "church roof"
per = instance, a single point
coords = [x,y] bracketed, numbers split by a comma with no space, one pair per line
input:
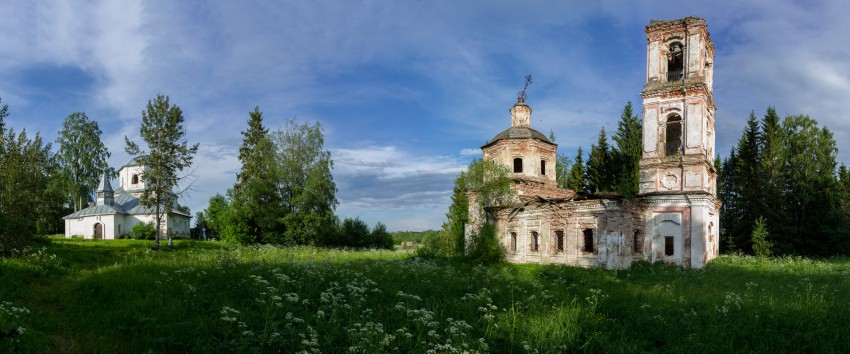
[104,185]
[518,133]
[124,203]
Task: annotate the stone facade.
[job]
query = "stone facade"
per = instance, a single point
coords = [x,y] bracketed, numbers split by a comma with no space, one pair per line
[675,217]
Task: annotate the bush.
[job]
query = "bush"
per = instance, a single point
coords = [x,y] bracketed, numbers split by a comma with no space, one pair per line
[485,247]
[143,231]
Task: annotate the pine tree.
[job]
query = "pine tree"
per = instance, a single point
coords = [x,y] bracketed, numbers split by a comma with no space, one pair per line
[598,169]
[771,149]
[576,180]
[168,154]
[627,153]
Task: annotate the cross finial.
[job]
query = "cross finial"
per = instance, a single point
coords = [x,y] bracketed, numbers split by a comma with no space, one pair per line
[521,96]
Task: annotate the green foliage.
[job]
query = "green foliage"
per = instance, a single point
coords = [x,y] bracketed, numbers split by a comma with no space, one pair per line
[485,247]
[577,180]
[143,231]
[355,233]
[305,183]
[627,153]
[562,166]
[168,154]
[30,195]
[456,219]
[252,299]
[82,159]
[599,177]
[761,245]
[416,237]
[380,238]
[787,174]
[255,191]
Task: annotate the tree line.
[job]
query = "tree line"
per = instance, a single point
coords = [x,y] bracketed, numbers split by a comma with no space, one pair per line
[782,180]
[285,193]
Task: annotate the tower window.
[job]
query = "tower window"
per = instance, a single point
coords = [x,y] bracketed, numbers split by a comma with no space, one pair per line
[668,245]
[135,179]
[517,165]
[588,241]
[638,243]
[535,244]
[673,142]
[559,240]
[675,62]
[542,167]
[513,241]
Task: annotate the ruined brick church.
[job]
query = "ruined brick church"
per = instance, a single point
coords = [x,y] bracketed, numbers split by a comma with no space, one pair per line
[674,219]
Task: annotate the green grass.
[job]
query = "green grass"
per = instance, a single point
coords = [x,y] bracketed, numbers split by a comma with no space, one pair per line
[117,296]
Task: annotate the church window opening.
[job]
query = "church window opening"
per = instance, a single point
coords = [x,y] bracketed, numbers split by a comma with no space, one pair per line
[535,244]
[513,241]
[638,243]
[517,165]
[673,142]
[668,245]
[588,241]
[559,240]
[135,179]
[675,62]
[543,167]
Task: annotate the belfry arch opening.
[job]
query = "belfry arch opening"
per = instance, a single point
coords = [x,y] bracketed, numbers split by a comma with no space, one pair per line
[673,132]
[675,62]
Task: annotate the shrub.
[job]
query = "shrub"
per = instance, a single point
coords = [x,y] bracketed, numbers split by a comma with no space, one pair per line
[143,231]
[485,247]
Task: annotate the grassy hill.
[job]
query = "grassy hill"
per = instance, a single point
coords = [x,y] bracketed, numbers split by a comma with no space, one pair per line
[116,296]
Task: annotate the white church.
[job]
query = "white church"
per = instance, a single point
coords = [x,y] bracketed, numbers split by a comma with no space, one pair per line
[116,211]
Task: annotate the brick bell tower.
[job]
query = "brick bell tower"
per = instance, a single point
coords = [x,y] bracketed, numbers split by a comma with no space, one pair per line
[677,175]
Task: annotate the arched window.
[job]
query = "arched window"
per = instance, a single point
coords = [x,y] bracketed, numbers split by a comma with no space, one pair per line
[675,62]
[535,245]
[588,241]
[517,165]
[542,167]
[513,241]
[559,241]
[673,131]
[135,179]
[638,242]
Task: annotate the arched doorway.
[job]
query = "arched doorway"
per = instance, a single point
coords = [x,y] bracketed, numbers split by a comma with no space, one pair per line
[98,231]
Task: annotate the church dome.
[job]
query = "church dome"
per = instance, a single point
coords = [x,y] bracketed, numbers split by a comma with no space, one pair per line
[518,132]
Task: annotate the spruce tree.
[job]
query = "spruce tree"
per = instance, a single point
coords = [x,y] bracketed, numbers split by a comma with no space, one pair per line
[576,180]
[627,153]
[747,176]
[257,199]
[598,169]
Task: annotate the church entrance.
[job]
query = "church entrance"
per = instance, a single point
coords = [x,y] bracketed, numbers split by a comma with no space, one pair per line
[98,231]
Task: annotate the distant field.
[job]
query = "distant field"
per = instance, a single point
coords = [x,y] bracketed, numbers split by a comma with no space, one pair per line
[117,296]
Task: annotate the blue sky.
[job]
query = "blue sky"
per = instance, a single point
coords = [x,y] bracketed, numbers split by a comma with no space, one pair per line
[407,91]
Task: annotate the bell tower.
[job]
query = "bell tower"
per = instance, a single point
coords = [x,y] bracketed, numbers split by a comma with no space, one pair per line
[678,108]
[677,175]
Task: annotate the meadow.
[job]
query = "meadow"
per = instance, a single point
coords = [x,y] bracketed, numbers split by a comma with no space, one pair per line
[83,296]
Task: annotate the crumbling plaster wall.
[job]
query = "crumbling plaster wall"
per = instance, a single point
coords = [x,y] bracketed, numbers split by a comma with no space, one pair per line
[531,151]
[614,224]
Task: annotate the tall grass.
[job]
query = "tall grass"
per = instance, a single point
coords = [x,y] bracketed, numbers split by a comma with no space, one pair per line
[118,296]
